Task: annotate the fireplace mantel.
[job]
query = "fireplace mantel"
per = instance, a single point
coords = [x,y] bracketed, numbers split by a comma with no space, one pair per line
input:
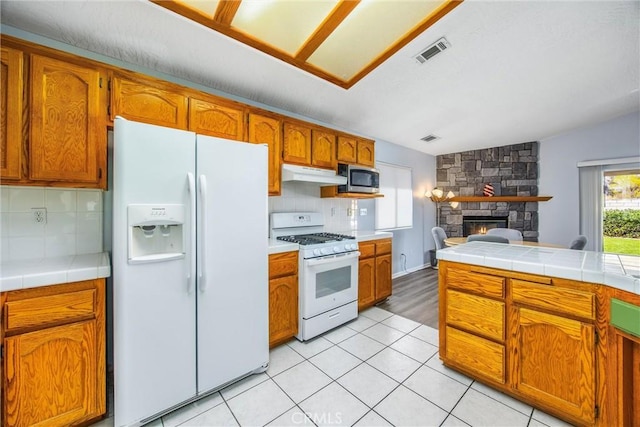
[500,199]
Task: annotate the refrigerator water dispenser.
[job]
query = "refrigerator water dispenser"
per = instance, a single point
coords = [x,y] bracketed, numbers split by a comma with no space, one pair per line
[156,233]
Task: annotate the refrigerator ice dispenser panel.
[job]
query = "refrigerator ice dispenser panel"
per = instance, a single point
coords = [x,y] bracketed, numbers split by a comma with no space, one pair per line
[156,233]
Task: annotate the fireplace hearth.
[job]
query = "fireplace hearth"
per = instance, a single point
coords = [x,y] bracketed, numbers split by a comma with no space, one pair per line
[481,224]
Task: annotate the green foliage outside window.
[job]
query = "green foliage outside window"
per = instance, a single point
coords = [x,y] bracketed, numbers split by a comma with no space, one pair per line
[621,223]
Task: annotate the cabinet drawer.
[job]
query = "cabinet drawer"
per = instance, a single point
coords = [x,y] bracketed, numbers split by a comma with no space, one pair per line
[484,357]
[476,314]
[367,249]
[383,247]
[569,301]
[50,309]
[478,283]
[284,264]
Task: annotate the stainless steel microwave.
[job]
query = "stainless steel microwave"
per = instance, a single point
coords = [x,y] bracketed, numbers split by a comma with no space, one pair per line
[360,179]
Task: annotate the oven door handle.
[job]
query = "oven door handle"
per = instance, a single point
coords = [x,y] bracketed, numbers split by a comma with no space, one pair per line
[331,259]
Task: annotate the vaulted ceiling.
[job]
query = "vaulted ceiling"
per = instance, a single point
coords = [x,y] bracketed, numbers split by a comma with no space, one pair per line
[514,71]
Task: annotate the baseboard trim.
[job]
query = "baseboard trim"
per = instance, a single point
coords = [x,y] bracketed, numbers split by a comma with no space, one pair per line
[411,270]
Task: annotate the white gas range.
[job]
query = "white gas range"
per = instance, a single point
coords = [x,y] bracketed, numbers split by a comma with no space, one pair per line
[327,271]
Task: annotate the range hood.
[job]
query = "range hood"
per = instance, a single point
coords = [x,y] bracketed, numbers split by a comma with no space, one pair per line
[324,177]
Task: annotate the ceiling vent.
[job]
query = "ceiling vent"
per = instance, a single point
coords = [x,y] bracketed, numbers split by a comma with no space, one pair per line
[433,50]
[429,138]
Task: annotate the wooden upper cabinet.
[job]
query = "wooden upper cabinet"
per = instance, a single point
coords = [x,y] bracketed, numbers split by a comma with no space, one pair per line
[12,81]
[347,149]
[267,130]
[296,144]
[215,118]
[67,134]
[323,149]
[366,152]
[147,101]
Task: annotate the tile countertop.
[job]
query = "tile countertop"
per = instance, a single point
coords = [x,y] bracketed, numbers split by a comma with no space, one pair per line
[618,271]
[277,246]
[52,271]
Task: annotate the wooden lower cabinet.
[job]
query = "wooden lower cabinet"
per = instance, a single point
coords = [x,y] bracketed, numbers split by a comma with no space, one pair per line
[374,272]
[283,297]
[54,354]
[530,336]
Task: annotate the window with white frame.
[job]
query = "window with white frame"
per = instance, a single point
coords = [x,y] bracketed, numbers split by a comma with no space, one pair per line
[395,209]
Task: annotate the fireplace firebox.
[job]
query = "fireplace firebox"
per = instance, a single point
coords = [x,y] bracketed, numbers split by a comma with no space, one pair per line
[481,224]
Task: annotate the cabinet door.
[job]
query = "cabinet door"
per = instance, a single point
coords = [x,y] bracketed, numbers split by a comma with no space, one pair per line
[68,138]
[209,117]
[323,149]
[283,309]
[366,152]
[366,282]
[347,147]
[147,102]
[383,276]
[266,130]
[555,362]
[11,114]
[51,376]
[296,144]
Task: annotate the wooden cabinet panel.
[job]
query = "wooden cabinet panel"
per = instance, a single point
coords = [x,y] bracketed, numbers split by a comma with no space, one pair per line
[267,130]
[283,309]
[11,91]
[50,309]
[478,283]
[283,264]
[383,247]
[143,101]
[51,375]
[569,301]
[67,128]
[554,362]
[383,277]
[211,117]
[482,316]
[366,283]
[366,153]
[296,144]
[479,355]
[323,149]
[367,249]
[347,149]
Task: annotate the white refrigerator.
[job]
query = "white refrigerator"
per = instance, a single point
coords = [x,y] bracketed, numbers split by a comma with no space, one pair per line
[190,267]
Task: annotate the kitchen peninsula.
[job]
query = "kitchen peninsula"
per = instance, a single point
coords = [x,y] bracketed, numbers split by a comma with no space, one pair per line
[539,324]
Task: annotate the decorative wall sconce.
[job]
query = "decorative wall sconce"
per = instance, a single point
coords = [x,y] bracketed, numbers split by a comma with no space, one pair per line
[437,195]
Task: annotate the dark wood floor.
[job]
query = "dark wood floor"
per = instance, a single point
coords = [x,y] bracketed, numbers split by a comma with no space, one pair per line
[415,296]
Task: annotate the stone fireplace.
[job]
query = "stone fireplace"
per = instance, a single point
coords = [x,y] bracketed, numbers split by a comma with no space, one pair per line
[512,170]
[482,224]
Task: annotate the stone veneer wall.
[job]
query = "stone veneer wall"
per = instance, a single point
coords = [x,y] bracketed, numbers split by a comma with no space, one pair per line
[511,169]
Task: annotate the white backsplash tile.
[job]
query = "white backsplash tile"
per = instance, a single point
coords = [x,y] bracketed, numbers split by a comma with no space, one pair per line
[74,222]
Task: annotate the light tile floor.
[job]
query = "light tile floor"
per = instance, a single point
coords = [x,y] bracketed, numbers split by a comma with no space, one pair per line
[378,370]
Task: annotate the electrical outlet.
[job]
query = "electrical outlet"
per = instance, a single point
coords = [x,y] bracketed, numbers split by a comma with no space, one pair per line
[333,211]
[39,215]
[349,212]
[363,212]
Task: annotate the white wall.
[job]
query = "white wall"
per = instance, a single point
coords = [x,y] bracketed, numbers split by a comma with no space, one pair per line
[559,156]
[411,246]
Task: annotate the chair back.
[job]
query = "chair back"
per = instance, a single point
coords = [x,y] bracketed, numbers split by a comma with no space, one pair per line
[487,238]
[508,233]
[438,236]
[579,242]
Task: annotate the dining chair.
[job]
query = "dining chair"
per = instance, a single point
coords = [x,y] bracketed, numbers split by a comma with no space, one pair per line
[487,238]
[579,242]
[438,236]
[508,233]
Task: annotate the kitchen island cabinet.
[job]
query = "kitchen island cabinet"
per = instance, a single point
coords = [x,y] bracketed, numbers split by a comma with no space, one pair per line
[374,272]
[53,362]
[283,297]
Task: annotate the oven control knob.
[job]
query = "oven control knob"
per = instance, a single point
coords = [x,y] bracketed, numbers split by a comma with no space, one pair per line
[337,249]
[317,252]
[325,251]
[353,246]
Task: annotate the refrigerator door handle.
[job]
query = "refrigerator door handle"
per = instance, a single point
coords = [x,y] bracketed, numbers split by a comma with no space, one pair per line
[192,232]
[202,278]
